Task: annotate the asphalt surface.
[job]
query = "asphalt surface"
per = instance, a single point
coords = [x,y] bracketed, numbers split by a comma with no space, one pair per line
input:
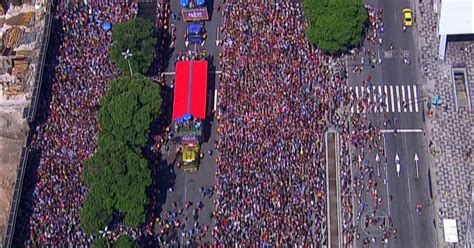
[406,190]
[179,187]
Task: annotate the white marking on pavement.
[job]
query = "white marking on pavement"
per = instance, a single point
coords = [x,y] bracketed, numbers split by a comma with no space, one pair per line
[403,98]
[416,98]
[402,130]
[215,100]
[374,93]
[408,180]
[386,177]
[398,98]
[409,99]
[392,98]
[386,98]
[352,107]
[362,89]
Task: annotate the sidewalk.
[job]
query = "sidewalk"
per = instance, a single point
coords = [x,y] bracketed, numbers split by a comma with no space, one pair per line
[450,131]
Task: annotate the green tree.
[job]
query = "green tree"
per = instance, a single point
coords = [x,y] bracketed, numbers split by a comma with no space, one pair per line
[100,243]
[137,36]
[117,175]
[128,109]
[95,215]
[125,241]
[335,25]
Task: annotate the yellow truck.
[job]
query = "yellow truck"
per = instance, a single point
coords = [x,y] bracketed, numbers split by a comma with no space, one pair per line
[190,157]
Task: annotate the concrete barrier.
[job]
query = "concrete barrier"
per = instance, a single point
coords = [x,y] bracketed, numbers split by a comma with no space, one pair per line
[333,195]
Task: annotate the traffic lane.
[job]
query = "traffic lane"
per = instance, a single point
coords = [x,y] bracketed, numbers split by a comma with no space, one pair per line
[416,230]
[420,189]
[401,206]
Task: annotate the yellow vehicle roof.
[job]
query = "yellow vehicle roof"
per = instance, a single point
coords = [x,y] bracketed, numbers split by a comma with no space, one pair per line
[189,153]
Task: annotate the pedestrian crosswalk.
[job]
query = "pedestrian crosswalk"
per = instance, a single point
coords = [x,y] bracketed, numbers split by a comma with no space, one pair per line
[385,99]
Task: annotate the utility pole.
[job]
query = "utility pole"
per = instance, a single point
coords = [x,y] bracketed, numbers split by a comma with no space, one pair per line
[126,56]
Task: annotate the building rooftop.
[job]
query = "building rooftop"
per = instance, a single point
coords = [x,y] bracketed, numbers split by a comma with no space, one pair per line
[457,17]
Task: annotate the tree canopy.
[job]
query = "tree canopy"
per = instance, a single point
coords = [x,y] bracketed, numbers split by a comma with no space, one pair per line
[117,175]
[128,109]
[126,242]
[137,36]
[335,25]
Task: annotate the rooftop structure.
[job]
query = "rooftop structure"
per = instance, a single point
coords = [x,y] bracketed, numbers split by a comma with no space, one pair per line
[22,32]
[456,18]
[190,89]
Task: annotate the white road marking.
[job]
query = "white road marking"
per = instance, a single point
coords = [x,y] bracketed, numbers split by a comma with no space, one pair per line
[362,89]
[392,98]
[416,98]
[215,100]
[409,99]
[373,97]
[398,99]
[386,177]
[374,93]
[403,98]
[402,130]
[352,107]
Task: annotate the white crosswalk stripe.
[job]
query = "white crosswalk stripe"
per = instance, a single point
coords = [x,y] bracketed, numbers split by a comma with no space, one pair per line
[387,99]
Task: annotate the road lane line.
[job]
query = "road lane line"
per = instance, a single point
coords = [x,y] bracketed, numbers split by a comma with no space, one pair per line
[409,99]
[376,95]
[403,98]
[362,89]
[215,100]
[410,205]
[416,98]
[386,98]
[392,98]
[369,98]
[386,177]
[402,130]
[398,99]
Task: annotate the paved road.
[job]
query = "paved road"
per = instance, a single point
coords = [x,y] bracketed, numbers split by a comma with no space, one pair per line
[401,84]
[185,186]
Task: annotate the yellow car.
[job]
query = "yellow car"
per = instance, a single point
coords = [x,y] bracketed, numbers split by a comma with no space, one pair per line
[407,17]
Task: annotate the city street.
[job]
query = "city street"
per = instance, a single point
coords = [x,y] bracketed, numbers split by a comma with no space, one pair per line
[186,188]
[400,117]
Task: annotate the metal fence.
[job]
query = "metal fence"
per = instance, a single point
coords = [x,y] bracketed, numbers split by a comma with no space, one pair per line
[29,114]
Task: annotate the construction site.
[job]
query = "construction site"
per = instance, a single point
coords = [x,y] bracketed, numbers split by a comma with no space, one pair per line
[23,28]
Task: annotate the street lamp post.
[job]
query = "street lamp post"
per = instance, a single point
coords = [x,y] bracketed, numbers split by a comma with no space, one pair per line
[127,55]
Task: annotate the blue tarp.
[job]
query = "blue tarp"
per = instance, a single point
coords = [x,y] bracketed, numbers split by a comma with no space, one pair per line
[184,3]
[194,28]
[106,26]
[201,2]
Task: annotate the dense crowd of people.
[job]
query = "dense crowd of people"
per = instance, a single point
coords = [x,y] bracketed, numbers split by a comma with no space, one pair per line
[277,96]
[65,140]
[278,93]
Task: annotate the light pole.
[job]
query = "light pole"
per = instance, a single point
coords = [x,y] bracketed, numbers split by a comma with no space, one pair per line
[127,55]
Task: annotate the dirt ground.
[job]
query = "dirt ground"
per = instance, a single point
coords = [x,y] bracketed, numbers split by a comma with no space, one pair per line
[12,134]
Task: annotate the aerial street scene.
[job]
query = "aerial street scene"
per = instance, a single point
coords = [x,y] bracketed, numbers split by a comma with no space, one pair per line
[237,123]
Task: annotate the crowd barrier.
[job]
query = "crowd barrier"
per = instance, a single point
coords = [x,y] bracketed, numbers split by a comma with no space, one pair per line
[29,113]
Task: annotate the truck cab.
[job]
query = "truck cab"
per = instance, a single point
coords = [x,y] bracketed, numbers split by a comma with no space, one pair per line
[190,157]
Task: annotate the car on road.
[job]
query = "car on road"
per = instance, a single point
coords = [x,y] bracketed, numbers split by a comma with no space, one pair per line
[407,17]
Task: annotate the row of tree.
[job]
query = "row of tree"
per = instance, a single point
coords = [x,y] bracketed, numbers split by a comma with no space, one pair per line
[118,175]
[335,26]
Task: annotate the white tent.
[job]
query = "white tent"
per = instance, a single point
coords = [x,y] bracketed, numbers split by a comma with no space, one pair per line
[450,231]
[457,17]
